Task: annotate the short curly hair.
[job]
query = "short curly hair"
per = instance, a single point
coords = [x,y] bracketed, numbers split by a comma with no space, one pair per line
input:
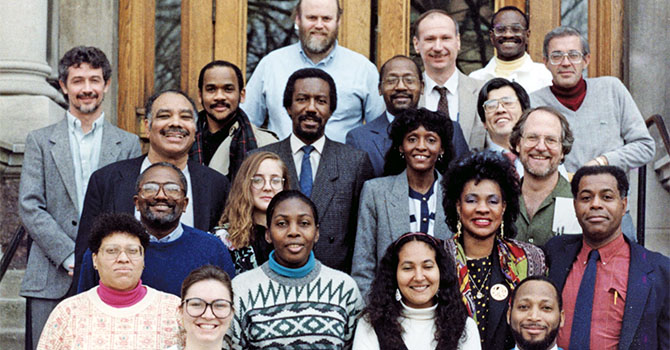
[107,224]
[84,54]
[486,165]
[307,73]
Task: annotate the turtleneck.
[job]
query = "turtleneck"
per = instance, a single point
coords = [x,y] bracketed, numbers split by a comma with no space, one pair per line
[571,97]
[299,272]
[119,299]
[427,313]
[506,68]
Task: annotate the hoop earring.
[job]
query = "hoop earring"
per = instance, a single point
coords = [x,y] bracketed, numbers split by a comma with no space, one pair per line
[398,296]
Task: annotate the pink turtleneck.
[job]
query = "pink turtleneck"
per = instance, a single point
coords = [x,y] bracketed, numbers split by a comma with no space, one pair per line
[121,299]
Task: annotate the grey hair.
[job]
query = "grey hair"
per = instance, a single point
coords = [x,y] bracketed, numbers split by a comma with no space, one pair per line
[150,103]
[564,31]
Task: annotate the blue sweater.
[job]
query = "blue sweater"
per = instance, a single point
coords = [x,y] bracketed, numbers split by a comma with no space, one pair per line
[167,264]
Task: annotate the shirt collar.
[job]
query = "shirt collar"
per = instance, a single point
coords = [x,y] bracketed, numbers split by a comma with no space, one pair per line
[296,144]
[390,117]
[496,147]
[328,59]
[608,252]
[451,84]
[173,236]
[73,123]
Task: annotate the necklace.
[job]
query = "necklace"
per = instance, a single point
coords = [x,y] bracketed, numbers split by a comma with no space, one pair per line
[479,294]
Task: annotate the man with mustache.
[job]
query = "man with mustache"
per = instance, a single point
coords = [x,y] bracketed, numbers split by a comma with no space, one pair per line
[535,314]
[175,249]
[223,131]
[509,35]
[329,172]
[540,139]
[615,292]
[317,22]
[57,164]
[446,89]
[400,85]
[608,127]
[170,122]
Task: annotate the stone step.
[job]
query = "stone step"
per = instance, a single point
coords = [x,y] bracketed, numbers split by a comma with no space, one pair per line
[11,283]
[12,339]
[13,311]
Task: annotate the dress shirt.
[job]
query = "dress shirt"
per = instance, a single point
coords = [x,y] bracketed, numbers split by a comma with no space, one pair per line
[314,156]
[176,233]
[497,148]
[85,149]
[609,296]
[356,80]
[418,216]
[187,216]
[432,96]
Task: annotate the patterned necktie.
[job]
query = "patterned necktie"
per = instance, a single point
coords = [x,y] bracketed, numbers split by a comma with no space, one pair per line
[443,103]
[306,171]
[580,335]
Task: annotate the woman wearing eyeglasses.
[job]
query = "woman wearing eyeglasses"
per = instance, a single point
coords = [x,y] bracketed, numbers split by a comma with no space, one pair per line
[242,226]
[206,309]
[121,312]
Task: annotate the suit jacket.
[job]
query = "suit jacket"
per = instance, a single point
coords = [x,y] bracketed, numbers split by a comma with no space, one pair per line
[48,202]
[111,190]
[341,173]
[383,216]
[374,139]
[646,320]
[473,129]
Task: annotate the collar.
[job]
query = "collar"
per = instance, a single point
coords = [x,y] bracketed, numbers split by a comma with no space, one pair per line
[74,124]
[511,65]
[451,84]
[173,236]
[119,299]
[328,59]
[390,117]
[607,253]
[296,144]
[496,147]
[418,314]
[299,272]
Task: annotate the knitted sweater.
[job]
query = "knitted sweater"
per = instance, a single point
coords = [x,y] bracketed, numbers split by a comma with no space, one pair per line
[317,311]
[84,321]
[607,123]
[167,264]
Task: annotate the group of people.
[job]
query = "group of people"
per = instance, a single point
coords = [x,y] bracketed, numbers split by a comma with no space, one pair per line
[440,223]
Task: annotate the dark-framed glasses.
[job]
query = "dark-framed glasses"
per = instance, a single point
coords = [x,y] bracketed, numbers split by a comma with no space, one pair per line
[574,56]
[515,29]
[408,80]
[113,251]
[196,307]
[532,141]
[507,102]
[172,190]
[276,182]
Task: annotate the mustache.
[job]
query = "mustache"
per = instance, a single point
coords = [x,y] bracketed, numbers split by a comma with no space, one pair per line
[309,116]
[87,94]
[220,103]
[175,129]
[401,94]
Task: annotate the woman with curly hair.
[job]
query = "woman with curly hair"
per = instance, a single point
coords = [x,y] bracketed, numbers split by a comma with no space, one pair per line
[242,226]
[481,202]
[408,199]
[415,301]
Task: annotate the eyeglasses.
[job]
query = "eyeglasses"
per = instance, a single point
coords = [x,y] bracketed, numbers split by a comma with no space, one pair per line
[515,29]
[171,190]
[276,182]
[196,307]
[574,56]
[408,80]
[492,105]
[532,141]
[113,251]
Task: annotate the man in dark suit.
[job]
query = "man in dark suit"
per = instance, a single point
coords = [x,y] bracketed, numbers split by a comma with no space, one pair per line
[330,173]
[400,83]
[615,292]
[171,124]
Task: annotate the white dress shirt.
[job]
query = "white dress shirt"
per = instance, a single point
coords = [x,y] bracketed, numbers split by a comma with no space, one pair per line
[432,96]
[314,157]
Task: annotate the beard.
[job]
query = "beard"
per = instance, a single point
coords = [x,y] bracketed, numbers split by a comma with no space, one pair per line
[89,109]
[315,45]
[310,135]
[161,221]
[539,172]
[535,345]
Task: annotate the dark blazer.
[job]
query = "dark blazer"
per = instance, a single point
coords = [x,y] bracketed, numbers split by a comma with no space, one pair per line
[341,173]
[373,138]
[646,321]
[111,190]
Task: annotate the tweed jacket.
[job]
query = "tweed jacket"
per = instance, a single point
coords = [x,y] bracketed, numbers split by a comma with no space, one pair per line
[383,216]
[341,173]
[48,202]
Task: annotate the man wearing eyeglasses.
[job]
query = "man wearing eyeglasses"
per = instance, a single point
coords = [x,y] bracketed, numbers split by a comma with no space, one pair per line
[608,127]
[509,34]
[175,249]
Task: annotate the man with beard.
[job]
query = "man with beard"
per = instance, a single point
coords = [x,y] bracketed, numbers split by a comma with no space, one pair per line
[509,35]
[317,22]
[57,164]
[400,84]
[170,122]
[535,314]
[223,131]
[175,249]
[541,139]
[329,172]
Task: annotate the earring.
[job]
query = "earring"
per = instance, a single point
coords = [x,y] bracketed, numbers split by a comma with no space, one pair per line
[439,157]
[398,296]
[502,228]
[402,155]
[458,227]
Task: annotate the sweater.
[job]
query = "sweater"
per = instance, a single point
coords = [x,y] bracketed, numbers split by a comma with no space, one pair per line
[418,331]
[167,264]
[607,123]
[276,312]
[84,321]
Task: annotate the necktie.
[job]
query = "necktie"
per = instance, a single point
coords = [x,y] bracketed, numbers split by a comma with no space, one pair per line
[443,103]
[306,171]
[580,335]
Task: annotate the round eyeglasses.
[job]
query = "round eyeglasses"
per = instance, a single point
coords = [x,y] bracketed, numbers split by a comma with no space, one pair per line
[171,190]
[196,307]
[276,182]
[574,57]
